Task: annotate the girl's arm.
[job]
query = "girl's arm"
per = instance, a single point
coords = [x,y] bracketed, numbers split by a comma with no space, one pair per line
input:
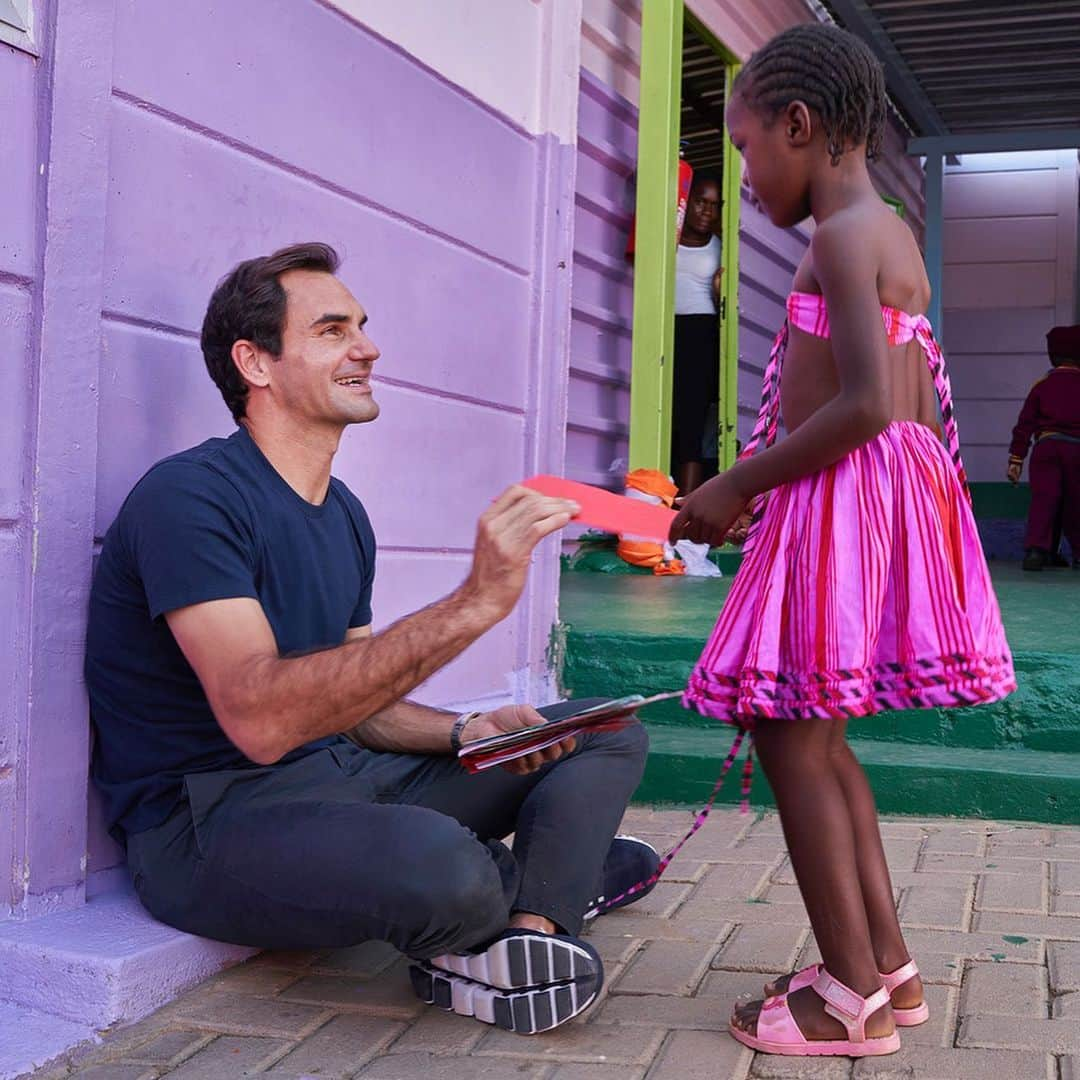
[845,266]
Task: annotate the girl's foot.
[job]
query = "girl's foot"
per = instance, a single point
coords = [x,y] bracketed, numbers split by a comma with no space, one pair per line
[808,1011]
[908,995]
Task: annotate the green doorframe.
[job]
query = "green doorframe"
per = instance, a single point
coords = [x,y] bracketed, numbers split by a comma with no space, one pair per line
[654,260]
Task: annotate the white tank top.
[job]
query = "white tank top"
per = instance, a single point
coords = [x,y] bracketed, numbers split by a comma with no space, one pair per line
[694,269]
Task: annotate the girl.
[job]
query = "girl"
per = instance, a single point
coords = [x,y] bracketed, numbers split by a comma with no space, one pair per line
[864,586]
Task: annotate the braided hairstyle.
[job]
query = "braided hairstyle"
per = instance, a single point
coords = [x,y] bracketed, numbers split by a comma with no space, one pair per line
[832,72]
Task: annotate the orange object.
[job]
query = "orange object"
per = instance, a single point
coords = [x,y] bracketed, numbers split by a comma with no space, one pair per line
[655,488]
[605,510]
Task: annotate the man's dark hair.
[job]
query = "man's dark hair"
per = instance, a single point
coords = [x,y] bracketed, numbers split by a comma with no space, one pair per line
[832,72]
[249,305]
[705,176]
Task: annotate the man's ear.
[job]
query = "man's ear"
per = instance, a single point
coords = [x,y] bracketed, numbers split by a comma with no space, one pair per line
[798,126]
[252,363]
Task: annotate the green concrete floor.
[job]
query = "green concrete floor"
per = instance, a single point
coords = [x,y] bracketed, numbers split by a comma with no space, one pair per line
[1017,759]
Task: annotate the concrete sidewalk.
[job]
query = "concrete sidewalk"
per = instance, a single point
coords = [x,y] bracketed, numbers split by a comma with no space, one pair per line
[993,918]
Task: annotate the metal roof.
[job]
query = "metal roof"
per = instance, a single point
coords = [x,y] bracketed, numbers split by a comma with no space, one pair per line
[961,67]
[702,116]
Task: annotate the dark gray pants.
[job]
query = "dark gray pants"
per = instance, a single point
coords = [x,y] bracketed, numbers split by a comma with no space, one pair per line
[347,845]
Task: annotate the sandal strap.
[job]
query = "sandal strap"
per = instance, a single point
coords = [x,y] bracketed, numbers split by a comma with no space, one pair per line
[900,976]
[850,1008]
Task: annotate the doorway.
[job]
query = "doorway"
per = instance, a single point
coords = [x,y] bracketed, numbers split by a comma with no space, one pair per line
[686,76]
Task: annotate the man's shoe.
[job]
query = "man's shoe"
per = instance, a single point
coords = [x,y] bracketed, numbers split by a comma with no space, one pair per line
[1034,559]
[629,861]
[523,981]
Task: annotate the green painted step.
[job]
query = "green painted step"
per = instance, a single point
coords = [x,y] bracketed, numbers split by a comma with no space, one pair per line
[933,781]
[623,634]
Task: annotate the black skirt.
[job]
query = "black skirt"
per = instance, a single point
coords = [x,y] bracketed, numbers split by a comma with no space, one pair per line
[697,383]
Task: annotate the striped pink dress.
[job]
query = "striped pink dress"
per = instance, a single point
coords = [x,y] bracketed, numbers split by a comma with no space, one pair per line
[864,586]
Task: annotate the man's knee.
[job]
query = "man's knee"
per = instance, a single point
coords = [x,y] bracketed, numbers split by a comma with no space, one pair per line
[461,900]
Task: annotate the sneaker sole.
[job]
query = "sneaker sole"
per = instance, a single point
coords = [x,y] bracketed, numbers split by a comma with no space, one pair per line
[525,1012]
[521,962]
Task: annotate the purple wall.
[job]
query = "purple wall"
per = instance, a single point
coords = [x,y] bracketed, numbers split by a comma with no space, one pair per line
[453,224]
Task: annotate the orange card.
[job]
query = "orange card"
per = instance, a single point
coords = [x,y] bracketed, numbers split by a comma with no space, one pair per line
[605,510]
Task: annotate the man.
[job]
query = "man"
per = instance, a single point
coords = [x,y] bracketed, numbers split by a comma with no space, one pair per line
[254,745]
[1051,416]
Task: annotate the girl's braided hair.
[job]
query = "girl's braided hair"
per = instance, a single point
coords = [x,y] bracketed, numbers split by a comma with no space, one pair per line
[833,72]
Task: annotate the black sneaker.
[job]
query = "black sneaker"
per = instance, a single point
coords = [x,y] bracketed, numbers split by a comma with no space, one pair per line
[1034,559]
[523,981]
[629,861]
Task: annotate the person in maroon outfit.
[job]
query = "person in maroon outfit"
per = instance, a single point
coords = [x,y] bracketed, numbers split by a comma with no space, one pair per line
[1051,416]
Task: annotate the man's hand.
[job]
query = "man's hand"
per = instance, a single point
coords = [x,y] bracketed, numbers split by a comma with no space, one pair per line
[1013,472]
[506,535]
[718,286]
[514,718]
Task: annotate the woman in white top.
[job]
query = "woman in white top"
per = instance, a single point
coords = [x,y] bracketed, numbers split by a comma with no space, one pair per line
[697,332]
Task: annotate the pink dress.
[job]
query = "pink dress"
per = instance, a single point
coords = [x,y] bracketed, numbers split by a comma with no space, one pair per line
[864,586]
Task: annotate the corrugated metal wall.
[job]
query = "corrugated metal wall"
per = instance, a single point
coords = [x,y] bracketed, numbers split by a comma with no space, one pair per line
[599,393]
[1010,274]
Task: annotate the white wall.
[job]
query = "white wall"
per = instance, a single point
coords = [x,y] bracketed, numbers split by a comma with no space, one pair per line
[1010,246]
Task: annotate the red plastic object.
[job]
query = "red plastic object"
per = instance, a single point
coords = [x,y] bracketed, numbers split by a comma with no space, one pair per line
[605,510]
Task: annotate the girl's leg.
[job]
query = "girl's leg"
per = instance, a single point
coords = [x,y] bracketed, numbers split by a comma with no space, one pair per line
[874,881]
[797,759]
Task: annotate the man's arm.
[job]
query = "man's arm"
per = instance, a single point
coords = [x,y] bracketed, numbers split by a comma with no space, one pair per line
[268,704]
[1026,423]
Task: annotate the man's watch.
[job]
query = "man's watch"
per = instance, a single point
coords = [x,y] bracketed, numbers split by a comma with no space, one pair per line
[458,728]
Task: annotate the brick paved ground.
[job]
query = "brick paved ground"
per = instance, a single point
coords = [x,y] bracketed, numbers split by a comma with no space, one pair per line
[993,918]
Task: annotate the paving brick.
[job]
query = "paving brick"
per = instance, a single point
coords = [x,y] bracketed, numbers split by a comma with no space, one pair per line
[726,988]
[440,1032]
[1015,948]
[783,894]
[1070,1068]
[663,901]
[592,1071]
[385,996]
[338,1048]
[577,1042]
[902,853]
[956,840]
[1013,892]
[1065,878]
[936,907]
[762,948]
[1067,1007]
[1005,990]
[116,1071]
[361,961]
[665,1011]
[243,1015]
[1063,962]
[760,849]
[167,1046]
[1065,905]
[668,967]
[766,1067]
[230,1056]
[439,1067]
[615,951]
[260,980]
[687,870]
[1062,927]
[1020,1033]
[1005,841]
[944,863]
[1065,838]
[745,910]
[927,1063]
[707,925]
[701,1055]
[731,882]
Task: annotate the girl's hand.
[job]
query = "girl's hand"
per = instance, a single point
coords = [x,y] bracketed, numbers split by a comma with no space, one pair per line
[708,512]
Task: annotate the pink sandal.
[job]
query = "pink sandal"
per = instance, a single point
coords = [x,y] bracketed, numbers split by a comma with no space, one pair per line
[917,1014]
[777,1032]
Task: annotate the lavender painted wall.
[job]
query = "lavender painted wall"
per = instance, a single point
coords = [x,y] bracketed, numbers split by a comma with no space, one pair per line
[455,227]
[1010,245]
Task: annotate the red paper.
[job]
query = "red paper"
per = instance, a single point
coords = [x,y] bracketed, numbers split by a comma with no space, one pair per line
[605,510]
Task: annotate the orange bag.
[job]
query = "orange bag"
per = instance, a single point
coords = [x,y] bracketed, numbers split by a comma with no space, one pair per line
[652,486]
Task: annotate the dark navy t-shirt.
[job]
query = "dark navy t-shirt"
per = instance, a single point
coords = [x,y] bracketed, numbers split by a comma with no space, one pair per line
[211,523]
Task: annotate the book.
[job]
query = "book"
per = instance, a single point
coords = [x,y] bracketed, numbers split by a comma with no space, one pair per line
[495,750]
[606,510]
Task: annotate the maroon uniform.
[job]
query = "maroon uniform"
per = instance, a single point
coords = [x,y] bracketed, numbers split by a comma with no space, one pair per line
[1051,417]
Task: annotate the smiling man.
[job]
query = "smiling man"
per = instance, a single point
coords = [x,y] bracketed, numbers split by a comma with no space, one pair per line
[254,745]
